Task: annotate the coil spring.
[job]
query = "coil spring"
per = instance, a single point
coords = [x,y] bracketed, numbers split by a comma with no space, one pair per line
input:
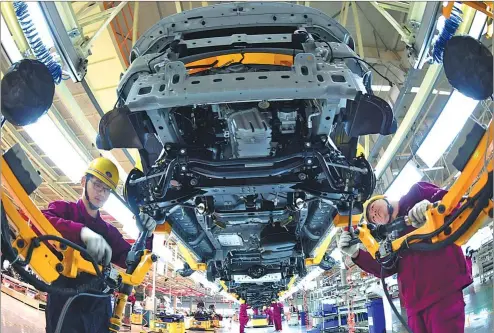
[450,26]
[39,49]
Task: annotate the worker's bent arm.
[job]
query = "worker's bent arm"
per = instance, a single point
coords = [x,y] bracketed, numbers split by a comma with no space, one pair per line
[70,230]
[365,261]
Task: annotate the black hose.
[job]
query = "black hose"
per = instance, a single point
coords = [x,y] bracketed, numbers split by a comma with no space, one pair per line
[11,255]
[310,234]
[75,247]
[196,241]
[449,219]
[385,288]
[481,203]
[67,305]
[325,169]
[95,286]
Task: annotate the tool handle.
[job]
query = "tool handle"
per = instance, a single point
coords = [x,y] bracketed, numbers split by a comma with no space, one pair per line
[140,243]
[355,240]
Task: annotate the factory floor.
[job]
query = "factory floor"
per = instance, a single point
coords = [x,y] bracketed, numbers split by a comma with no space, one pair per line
[19,318]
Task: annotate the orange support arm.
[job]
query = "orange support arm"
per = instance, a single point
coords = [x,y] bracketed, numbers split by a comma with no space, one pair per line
[472,180]
[47,266]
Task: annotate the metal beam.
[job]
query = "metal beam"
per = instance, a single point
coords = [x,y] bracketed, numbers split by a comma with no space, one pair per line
[85,8]
[102,28]
[178,6]
[159,9]
[416,11]
[405,36]
[344,12]
[135,24]
[415,108]
[8,14]
[67,15]
[357,27]
[396,6]
[85,21]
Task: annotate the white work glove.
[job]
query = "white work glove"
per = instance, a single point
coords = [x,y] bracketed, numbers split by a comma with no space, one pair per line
[344,245]
[416,215]
[146,223]
[96,245]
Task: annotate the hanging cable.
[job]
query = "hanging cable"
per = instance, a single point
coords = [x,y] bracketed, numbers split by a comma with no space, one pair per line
[39,49]
[445,33]
[67,305]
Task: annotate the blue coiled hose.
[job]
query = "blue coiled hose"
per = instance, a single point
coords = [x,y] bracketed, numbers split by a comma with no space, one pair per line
[450,26]
[41,52]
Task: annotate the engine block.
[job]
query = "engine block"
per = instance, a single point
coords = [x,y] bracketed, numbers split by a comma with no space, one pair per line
[250,133]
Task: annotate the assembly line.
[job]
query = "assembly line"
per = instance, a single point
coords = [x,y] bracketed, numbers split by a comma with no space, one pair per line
[248,172]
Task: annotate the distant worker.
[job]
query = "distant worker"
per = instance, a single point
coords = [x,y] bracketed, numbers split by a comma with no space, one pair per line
[269,314]
[469,252]
[256,311]
[80,222]
[243,317]
[431,282]
[277,312]
[201,312]
[148,310]
[132,300]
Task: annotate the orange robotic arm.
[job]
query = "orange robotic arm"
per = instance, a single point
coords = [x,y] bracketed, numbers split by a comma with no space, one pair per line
[453,219]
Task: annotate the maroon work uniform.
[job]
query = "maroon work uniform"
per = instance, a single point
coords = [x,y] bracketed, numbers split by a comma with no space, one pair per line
[277,311]
[85,314]
[431,283]
[243,317]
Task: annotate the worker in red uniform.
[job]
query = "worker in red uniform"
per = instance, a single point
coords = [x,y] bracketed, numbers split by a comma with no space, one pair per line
[80,222]
[431,282]
[277,311]
[468,255]
[132,299]
[269,314]
[243,317]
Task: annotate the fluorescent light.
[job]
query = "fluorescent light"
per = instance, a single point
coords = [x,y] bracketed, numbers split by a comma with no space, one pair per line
[447,126]
[8,42]
[52,142]
[482,236]
[39,21]
[123,215]
[415,90]
[336,255]
[408,176]
[200,278]
[304,283]
[381,88]
[478,25]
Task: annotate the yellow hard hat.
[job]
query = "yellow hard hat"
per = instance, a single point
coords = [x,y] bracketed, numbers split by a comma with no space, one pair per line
[367,204]
[105,170]
[360,150]
[242,301]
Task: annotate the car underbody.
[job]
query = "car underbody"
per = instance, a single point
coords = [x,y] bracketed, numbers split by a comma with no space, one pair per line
[247,118]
